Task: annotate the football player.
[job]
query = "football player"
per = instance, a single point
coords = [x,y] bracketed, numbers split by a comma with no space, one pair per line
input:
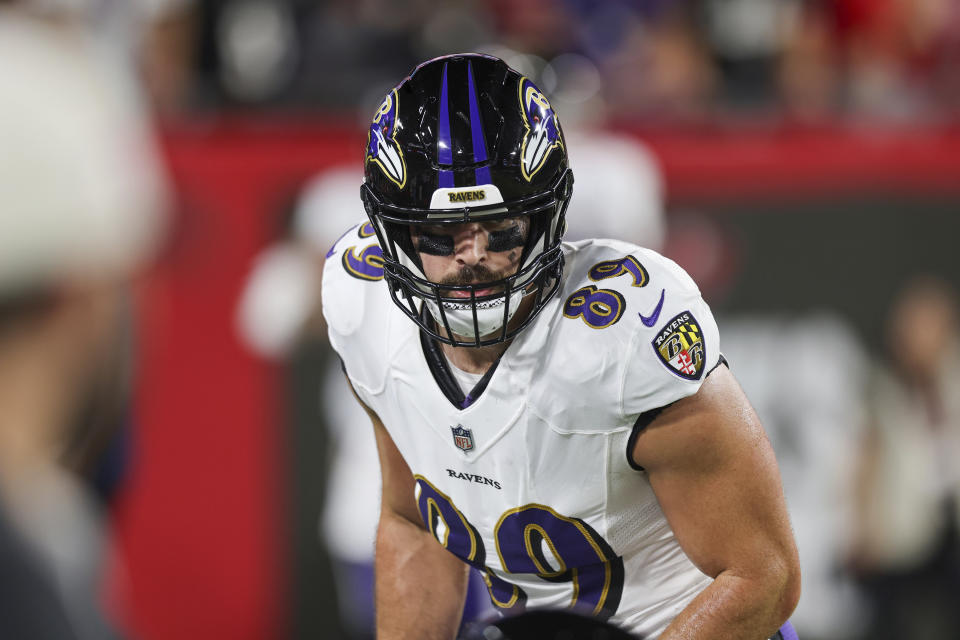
[557,416]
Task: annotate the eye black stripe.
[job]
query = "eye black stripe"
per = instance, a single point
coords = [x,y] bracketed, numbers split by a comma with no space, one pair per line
[435,244]
[505,239]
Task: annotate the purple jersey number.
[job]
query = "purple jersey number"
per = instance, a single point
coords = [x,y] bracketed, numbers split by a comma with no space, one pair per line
[531,539]
[368,263]
[627,265]
[537,539]
[602,308]
[598,308]
[452,530]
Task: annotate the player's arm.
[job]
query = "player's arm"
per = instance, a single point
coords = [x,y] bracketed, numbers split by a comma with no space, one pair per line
[420,587]
[716,478]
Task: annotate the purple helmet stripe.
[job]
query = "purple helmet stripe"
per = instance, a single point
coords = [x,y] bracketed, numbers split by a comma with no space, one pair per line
[444,144]
[476,130]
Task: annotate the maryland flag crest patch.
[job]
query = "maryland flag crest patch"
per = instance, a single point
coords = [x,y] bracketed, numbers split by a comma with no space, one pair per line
[680,346]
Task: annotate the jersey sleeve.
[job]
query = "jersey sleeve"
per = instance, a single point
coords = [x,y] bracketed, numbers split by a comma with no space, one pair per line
[674,346]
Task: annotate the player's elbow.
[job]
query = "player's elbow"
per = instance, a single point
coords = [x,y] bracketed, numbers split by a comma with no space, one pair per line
[785,583]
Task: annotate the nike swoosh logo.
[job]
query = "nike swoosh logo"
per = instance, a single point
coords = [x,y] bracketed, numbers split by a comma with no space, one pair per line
[652,318]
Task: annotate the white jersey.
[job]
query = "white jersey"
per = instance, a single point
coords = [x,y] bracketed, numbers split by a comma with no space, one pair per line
[528,479]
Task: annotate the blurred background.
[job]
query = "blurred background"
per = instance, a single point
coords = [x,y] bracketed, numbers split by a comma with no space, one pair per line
[800,158]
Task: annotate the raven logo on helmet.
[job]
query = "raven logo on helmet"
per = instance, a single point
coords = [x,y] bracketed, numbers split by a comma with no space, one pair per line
[543,129]
[382,147]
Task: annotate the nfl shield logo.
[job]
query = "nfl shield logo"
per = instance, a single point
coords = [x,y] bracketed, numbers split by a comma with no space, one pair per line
[463,438]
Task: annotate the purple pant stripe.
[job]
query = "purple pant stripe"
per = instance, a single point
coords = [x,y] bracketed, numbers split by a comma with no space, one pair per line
[788,632]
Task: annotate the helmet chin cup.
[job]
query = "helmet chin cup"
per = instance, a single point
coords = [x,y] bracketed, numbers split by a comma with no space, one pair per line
[490,316]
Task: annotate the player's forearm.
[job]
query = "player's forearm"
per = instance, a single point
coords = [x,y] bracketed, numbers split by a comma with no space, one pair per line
[420,587]
[738,608]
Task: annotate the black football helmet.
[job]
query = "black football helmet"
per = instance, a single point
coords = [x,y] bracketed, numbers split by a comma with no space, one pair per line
[465,138]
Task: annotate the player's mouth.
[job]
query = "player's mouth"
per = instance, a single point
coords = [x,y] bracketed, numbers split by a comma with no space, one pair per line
[459,293]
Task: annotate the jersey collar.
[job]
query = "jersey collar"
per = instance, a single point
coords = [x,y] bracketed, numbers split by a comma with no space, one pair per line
[445,379]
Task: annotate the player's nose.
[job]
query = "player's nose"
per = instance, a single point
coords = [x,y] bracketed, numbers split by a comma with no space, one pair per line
[470,244]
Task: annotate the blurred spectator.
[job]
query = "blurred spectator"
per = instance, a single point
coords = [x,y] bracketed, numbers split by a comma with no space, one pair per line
[907,546]
[808,77]
[661,69]
[543,28]
[80,199]
[812,415]
[278,318]
[746,39]
[619,192]
[148,43]
[882,42]
[163,36]
[247,52]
